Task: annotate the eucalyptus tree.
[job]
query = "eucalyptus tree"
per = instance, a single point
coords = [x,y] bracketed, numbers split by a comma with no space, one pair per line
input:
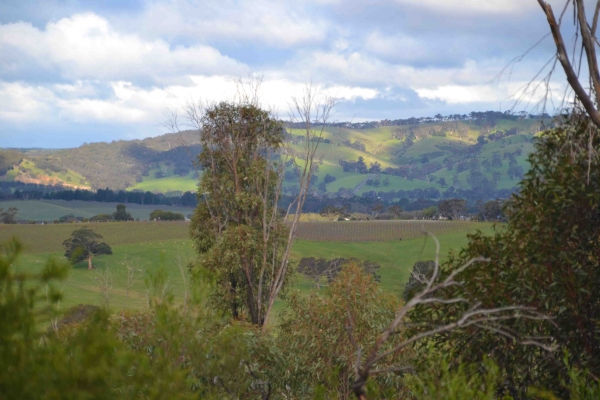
[83,244]
[241,236]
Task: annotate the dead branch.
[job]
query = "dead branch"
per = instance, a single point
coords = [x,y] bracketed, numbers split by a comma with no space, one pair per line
[475,316]
[589,46]
[312,110]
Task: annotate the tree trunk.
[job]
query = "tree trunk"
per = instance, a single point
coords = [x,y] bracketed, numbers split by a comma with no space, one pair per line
[90,266]
[234,305]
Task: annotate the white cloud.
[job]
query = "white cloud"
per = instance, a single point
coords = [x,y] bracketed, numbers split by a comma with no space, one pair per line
[474,6]
[280,24]
[130,104]
[20,102]
[85,46]
[454,94]
[364,70]
[507,93]
[122,67]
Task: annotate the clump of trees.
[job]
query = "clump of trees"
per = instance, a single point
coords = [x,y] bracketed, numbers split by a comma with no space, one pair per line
[319,268]
[160,215]
[8,216]
[121,214]
[83,244]
[452,208]
[102,218]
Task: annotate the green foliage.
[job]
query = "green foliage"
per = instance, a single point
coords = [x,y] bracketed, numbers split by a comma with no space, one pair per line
[548,257]
[121,214]
[492,210]
[102,218]
[436,379]
[69,218]
[80,362]
[83,244]
[430,212]
[8,216]
[452,208]
[217,358]
[317,269]
[8,159]
[166,216]
[316,331]
[236,227]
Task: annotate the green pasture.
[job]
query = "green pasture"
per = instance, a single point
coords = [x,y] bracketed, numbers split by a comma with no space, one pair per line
[396,258]
[145,258]
[147,247]
[186,183]
[49,210]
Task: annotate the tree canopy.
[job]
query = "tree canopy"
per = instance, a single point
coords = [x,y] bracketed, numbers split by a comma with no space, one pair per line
[8,216]
[547,258]
[121,214]
[236,226]
[83,244]
[161,215]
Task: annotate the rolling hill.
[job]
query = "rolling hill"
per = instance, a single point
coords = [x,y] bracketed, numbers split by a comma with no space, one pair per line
[489,152]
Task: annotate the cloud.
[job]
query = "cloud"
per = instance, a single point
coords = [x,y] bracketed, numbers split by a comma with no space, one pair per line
[19,102]
[77,66]
[521,93]
[473,6]
[85,46]
[280,24]
[130,104]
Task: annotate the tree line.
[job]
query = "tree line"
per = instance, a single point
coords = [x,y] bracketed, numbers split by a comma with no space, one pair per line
[187,199]
[476,116]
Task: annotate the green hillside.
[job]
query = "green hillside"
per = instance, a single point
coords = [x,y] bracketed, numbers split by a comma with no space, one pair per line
[486,154]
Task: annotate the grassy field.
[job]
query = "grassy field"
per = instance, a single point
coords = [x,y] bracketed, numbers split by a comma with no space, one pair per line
[186,183]
[49,238]
[378,231]
[146,247]
[49,210]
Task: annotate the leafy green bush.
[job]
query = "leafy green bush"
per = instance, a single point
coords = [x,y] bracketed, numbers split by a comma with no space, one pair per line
[548,258]
[317,332]
[166,216]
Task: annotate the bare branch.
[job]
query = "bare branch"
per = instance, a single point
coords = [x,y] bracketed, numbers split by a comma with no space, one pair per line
[563,57]
[475,315]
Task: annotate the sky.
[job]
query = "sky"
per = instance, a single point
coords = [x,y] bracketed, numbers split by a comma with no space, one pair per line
[80,71]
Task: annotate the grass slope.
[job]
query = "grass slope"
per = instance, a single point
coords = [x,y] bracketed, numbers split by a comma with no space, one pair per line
[186,183]
[28,172]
